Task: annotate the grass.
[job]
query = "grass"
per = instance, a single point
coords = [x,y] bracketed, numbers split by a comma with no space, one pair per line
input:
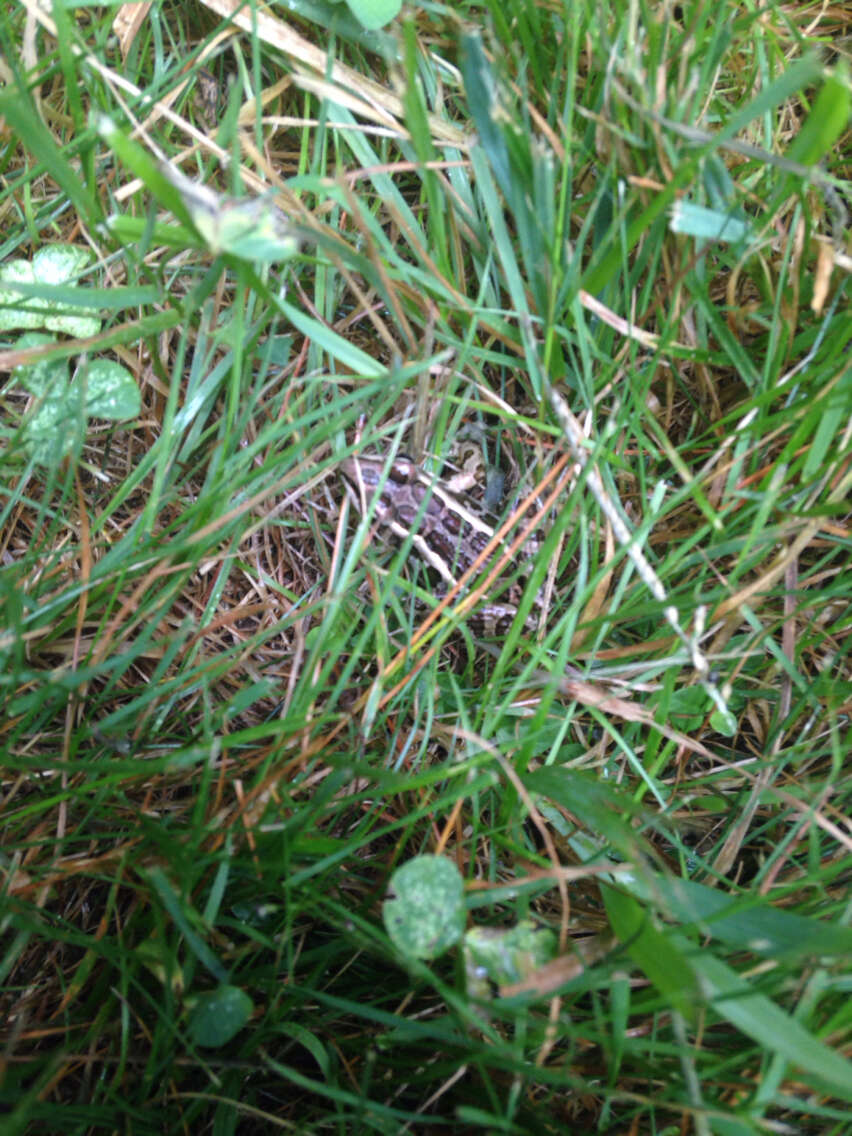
[224,723]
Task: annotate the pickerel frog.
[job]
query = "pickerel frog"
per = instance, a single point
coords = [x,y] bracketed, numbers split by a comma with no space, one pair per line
[447,533]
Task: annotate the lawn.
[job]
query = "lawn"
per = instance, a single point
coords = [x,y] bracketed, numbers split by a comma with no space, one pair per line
[313,818]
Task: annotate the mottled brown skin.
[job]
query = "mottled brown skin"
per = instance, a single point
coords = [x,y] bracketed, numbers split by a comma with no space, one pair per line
[447,533]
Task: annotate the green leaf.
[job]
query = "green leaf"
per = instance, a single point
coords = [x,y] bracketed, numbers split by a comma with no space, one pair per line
[39,377]
[50,431]
[251,228]
[181,914]
[426,915]
[131,230]
[707,224]
[50,427]
[604,807]
[158,958]
[328,340]
[506,955]
[14,311]
[760,1019]
[652,951]
[153,175]
[725,724]
[17,108]
[481,89]
[51,266]
[219,1016]
[686,707]
[374,14]
[747,922]
[828,119]
[111,391]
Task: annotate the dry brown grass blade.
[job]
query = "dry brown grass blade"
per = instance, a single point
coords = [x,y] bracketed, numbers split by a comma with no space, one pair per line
[347,87]
[128,20]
